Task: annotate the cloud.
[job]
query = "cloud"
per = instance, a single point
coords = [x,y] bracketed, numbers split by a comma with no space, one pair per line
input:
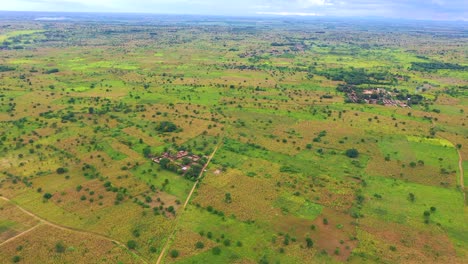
[288,14]
[411,9]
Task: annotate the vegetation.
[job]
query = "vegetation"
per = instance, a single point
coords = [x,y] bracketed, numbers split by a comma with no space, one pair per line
[309,140]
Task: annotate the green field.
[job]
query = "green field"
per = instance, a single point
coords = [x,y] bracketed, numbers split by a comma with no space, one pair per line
[310,162]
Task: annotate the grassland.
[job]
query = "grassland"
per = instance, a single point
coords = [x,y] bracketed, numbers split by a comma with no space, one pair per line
[81,108]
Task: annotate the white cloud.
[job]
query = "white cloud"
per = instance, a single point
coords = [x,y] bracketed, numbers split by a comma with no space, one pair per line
[311,3]
[288,14]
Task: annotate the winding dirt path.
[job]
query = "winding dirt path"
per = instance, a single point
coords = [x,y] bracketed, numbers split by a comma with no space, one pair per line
[61,227]
[172,235]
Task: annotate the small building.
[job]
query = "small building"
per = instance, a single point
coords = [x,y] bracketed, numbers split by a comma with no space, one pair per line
[182,154]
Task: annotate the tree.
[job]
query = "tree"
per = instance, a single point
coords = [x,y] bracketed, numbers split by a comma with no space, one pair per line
[166,126]
[59,247]
[227,198]
[164,162]
[174,253]
[131,244]
[195,170]
[310,242]
[352,153]
[199,245]
[147,151]
[47,196]
[216,251]
[186,160]
[61,170]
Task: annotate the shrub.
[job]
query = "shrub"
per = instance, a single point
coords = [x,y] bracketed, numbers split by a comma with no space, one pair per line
[309,242]
[55,70]
[4,68]
[131,244]
[216,251]
[174,253]
[199,245]
[352,153]
[47,196]
[61,170]
[59,247]
[166,126]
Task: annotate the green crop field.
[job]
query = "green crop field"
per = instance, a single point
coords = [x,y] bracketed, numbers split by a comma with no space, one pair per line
[315,141]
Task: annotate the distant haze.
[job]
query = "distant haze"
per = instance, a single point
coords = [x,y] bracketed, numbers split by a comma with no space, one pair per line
[407,9]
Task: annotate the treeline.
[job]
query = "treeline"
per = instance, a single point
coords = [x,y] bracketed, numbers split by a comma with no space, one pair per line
[4,68]
[433,66]
[358,76]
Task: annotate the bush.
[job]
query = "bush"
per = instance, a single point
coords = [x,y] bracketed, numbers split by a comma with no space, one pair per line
[4,68]
[309,242]
[59,247]
[216,251]
[166,126]
[55,70]
[199,245]
[352,153]
[131,244]
[174,253]
[61,170]
[16,259]
[47,196]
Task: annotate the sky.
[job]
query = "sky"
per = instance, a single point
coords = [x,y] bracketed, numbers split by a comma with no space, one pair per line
[407,9]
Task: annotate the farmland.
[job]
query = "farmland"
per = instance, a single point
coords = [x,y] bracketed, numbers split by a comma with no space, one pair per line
[296,172]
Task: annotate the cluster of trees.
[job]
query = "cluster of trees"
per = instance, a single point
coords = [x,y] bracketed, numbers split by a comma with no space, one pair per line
[192,173]
[4,68]
[358,76]
[166,126]
[433,66]
[414,99]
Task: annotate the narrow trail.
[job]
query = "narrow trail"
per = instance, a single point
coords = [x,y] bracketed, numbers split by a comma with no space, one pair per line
[462,176]
[172,235]
[61,227]
[460,165]
[21,234]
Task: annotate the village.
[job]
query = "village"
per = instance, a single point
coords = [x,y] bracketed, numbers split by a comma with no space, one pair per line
[375,96]
[182,162]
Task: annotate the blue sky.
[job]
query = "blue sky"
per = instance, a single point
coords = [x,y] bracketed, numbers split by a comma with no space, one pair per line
[409,9]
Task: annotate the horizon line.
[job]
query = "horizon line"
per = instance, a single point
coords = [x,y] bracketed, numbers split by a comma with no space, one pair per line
[250,15]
